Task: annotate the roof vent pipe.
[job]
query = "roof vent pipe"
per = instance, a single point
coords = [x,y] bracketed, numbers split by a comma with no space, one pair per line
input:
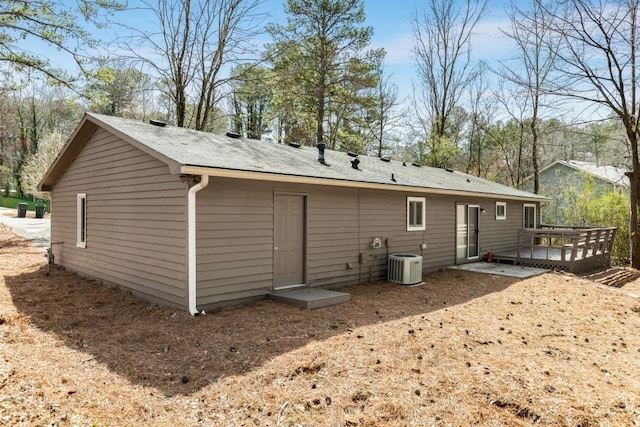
[158,123]
[354,163]
[321,148]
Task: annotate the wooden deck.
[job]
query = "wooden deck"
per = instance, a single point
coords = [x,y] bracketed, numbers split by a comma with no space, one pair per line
[576,250]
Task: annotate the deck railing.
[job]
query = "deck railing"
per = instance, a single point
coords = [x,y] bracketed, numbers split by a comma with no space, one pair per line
[575,249]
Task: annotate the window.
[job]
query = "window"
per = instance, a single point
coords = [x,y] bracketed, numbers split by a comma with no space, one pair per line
[501,210]
[415,213]
[529,216]
[81,221]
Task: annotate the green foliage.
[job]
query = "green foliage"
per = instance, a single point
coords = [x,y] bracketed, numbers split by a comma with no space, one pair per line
[587,208]
[52,23]
[116,90]
[440,151]
[251,97]
[36,164]
[323,71]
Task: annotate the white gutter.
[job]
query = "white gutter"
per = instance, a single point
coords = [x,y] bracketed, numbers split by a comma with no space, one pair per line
[297,179]
[191,237]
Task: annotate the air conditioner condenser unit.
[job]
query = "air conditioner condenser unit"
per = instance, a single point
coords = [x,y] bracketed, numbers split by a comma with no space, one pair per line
[405,269]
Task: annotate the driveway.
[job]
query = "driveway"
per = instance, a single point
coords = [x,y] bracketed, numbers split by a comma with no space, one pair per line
[37,231]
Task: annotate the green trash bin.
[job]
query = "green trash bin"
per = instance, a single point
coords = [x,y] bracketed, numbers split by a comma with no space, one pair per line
[22,210]
[40,211]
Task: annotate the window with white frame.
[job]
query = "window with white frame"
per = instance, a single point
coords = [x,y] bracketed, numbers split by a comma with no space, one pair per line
[416,214]
[529,216]
[501,210]
[81,220]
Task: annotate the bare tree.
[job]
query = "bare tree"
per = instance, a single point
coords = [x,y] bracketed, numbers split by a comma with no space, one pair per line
[596,62]
[442,34]
[193,42]
[481,114]
[531,68]
[385,116]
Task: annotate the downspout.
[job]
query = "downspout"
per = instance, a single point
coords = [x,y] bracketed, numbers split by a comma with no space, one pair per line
[191,236]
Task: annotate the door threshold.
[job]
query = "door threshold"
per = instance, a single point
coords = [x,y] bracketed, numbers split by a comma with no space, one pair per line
[289,287]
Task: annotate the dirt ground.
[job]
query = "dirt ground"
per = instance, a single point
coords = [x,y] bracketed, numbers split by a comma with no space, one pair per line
[463,349]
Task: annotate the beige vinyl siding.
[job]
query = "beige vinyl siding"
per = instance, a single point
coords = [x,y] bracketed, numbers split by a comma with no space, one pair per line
[500,235]
[495,235]
[332,236]
[234,240]
[136,219]
[235,235]
[384,215]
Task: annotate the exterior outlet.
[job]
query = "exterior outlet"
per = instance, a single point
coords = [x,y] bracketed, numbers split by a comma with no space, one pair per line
[423,246]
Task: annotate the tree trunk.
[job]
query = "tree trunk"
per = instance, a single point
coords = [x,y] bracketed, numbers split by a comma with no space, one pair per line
[634,187]
[534,153]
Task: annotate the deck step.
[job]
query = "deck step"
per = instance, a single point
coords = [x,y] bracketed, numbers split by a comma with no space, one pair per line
[616,277]
[311,297]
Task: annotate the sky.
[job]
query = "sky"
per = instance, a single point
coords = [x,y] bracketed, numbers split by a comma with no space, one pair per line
[390,20]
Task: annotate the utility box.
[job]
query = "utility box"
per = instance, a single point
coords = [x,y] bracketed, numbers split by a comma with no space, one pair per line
[22,210]
[40,211]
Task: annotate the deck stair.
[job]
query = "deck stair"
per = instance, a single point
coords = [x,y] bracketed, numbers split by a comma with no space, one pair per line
[616,277]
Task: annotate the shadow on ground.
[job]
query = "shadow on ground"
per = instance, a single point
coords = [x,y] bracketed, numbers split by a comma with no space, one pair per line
[178,354]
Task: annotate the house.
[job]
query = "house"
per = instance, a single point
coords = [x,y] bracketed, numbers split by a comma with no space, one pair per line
[562,180]
[198,220]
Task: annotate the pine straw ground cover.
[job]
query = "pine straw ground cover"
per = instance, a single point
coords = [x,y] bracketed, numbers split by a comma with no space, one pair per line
[463,349]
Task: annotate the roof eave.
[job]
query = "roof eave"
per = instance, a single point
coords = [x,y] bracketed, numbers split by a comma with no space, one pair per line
[67,153]
[298,179]
[81,134]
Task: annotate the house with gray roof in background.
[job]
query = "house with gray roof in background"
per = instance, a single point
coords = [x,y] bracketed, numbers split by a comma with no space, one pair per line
[563,180]
[197,220]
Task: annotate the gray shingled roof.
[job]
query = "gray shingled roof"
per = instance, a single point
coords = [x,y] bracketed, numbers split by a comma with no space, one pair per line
[605,172]
[193,148]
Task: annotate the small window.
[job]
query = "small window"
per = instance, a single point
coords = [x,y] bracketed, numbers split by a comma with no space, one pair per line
[415,213]
[501,210]
[529,216]
[81,219]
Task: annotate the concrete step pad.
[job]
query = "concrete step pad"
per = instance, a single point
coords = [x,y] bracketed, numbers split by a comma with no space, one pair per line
[310,297]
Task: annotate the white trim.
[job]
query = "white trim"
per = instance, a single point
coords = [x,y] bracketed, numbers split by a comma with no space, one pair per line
[535,214]
[422,226]
[504,215]
[297,179]
[81,220]
[191,244]
[476,231]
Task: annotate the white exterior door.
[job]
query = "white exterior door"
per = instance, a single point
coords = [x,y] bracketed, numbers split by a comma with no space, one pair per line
[467,232]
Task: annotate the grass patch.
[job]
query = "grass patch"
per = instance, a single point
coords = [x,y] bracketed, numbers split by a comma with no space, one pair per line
[12,203]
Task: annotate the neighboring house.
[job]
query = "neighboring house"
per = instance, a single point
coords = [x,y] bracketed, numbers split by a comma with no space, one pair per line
[197,220]
[562,180]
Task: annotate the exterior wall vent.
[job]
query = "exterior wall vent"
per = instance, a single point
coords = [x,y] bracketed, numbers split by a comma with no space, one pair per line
[405,269]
